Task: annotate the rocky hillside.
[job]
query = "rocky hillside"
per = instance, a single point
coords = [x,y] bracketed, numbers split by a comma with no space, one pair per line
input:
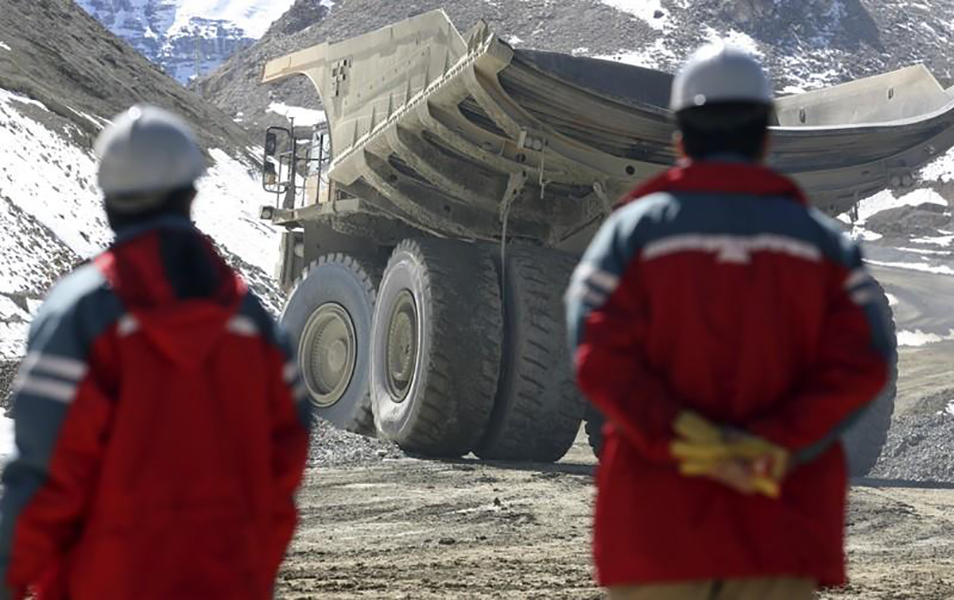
[187,39]
[807,43]
[62,76]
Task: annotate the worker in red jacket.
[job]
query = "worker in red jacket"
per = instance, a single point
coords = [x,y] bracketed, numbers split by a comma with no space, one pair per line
[161,425]
[729,333]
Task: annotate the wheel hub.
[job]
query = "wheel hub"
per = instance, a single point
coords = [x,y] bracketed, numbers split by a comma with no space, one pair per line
[402,343]
[327,353]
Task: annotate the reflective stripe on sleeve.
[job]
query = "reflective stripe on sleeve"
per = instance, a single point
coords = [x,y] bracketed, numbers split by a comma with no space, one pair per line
[43,387]
[732,248]
[242,325]
[59,366]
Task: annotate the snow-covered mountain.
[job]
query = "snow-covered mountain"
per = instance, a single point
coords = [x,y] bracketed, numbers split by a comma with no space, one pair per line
[188,38]
[54,100]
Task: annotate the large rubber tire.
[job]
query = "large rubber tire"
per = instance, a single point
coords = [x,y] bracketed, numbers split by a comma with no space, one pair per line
[538,409]
[594,430]
[336,283]
[436,347]
[864,441]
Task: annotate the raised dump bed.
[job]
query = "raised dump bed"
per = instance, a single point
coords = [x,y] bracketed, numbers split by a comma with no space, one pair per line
[445,145]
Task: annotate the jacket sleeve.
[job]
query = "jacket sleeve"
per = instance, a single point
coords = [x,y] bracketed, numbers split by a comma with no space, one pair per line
[291,426]
[61,413]
[852,368]
[607,319]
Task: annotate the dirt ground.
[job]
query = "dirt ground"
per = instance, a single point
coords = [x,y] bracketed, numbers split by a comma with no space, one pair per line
[421,529]
[413,529]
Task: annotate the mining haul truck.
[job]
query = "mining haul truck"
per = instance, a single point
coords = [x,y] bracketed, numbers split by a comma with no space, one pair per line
[432,223]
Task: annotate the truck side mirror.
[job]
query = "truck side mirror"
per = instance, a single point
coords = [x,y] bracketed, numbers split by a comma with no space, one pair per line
[271,175]
[277,167]
[271,143]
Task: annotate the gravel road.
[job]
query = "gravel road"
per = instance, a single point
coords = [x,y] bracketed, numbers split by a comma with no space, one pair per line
[412,529]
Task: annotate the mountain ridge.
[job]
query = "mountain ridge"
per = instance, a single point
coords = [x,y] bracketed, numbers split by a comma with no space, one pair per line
[184,39]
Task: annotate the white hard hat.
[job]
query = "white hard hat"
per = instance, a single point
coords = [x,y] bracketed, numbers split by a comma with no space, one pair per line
[718,74]
[143,154]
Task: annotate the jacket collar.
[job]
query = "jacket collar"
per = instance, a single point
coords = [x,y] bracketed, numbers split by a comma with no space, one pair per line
[714,176]
[164,222]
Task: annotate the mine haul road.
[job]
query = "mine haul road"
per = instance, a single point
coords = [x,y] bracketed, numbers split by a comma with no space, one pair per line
[415,529]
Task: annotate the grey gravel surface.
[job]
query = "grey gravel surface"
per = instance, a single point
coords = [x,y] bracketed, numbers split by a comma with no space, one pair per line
[332,447]
[8,370]
[921,443]
[900,224]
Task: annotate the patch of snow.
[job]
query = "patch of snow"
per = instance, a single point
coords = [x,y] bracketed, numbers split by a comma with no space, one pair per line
[34,306]
[50,179]
[254,17]
[734,38]
[892,299]
[944,240]
[227,209]
[98,122]
[950,408]
[650,11]
[7,96]
[514,40]
[13,340]
[9,309]
[923,251]
[304,117]
[917,338]
[651,57]
[5,47]
[810,69]
[887,200]
[941,169]
[938,270]
[863,235]
[8,444]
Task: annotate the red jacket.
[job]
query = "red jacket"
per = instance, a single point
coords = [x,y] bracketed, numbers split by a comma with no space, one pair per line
[162,431]
[719,290]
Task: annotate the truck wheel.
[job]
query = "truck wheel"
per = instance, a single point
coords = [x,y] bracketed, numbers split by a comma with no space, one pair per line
[538,409]
[329,316]
[594,430]
[435,347]
[864,441]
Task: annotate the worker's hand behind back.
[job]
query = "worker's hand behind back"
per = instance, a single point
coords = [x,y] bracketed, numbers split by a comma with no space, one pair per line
[742,462]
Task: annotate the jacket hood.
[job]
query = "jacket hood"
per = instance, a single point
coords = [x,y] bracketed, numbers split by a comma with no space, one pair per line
[176,288]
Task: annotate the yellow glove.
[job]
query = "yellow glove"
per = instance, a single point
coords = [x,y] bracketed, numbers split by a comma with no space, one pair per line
[734,474]
[745,463]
